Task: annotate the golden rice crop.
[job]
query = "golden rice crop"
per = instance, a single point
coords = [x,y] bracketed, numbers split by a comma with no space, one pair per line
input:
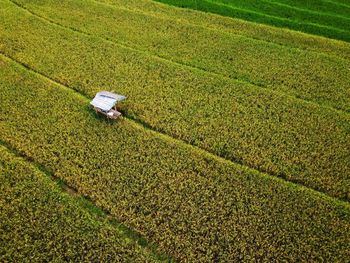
[312,76]
[194,205]
[269,131]
[39,223]
[239,27]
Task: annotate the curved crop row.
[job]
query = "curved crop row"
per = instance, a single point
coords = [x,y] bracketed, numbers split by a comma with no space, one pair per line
[273,14]
[307,75]
[39,223]
[265,33]
[282,136]
[324,6]
[195,206]
[293,13]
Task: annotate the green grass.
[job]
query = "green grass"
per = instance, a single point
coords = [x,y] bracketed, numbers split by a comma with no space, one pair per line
[329,20]
[40,223]
[267,130]
[194,205]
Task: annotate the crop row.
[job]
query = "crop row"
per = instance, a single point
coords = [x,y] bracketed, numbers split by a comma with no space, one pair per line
[194,205]
[293,13]
[283,136]
[39,223]
[324,6]
[308,75]
[275,14]
[234,26]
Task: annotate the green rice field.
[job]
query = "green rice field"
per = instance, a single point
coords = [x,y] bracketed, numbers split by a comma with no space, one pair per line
[234,143]
[329,18]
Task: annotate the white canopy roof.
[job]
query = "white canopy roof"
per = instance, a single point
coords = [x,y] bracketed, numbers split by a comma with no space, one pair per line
[106,100]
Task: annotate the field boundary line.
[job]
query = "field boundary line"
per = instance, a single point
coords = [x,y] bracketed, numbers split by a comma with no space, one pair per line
[282,18]
[178,64]
[124,229]
[226,32]
[336,3]
[306,10]
[141,125]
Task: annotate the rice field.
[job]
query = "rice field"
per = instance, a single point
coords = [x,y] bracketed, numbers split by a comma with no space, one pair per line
[325,18]
[40,223]
[234,145]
